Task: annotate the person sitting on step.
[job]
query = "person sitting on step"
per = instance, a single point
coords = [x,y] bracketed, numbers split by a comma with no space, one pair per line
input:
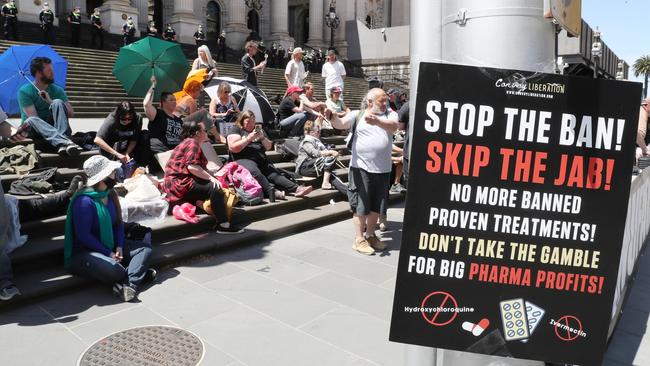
[292,112]
[28,209]
[95,244]
[45,109]
[315,159]
[311,105]
[188,110]
[248,145]
[164,127]
[187,179]
[224,109]
[205,61]
[120,136]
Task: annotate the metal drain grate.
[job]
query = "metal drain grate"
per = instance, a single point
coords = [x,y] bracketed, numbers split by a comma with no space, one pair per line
[145,346]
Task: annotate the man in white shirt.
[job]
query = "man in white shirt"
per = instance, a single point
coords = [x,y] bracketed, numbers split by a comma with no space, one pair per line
[294,73]
[370,167]
[333,72]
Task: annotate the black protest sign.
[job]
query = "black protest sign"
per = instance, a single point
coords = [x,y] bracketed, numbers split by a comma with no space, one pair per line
[515,212]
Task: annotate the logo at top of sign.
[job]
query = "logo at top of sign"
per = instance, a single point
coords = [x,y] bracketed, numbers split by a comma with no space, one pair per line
[518,84]
[443,308]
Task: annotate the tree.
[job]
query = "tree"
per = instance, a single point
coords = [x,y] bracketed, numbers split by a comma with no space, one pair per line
[642,67]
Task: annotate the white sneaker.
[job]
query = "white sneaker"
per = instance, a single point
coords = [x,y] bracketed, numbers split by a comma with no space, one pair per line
[9,293]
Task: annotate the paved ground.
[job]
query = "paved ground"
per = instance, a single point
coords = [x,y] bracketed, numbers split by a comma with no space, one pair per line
[307,299]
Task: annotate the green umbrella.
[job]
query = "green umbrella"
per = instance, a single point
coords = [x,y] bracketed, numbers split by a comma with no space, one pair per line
[138,61]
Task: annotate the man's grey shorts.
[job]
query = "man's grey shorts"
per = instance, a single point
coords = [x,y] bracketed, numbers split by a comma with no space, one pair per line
[367,192]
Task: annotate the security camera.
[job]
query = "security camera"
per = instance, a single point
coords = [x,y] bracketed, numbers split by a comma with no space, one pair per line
[383,31]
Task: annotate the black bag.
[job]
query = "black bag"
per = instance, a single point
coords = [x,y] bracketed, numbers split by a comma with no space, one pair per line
[45,180]
[135,231]
[290,148]
[86,140]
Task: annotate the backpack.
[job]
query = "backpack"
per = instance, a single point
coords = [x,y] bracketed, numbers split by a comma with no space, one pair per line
[290,148]
[238,177]
[247,188]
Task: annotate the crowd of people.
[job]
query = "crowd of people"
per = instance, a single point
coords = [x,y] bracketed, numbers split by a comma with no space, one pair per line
[179,125]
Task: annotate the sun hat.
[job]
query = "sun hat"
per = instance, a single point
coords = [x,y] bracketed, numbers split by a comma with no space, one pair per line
[298,50]
[97,168]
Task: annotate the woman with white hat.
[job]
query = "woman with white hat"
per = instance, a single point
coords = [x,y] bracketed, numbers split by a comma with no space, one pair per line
[294,73]
[95,245]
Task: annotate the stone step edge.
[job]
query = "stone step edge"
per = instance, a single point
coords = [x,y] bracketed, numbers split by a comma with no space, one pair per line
[34,288]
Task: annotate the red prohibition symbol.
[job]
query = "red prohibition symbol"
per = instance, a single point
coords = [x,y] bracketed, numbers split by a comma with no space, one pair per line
[439,300]
[571,322]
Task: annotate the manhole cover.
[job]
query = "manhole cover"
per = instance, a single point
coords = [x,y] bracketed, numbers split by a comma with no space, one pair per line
[145,346]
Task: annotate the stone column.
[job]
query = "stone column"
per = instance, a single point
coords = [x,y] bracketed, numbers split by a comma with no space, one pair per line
[316,24]
[114,14]
[345,11]
[236,27]
[280,23]
[143,14]
[183,21]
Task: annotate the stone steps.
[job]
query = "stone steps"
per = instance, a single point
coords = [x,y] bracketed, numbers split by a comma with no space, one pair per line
[94,91]
[49,281]
[45,246]
[70,166]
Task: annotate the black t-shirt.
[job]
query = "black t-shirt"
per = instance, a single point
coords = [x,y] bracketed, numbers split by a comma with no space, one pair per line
[254,151]
[285,110]
[113,132]
[247,71]
[403,117]
[199,35]
[166,129]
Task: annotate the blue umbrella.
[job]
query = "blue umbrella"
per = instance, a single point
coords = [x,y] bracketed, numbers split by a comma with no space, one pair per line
[14,72]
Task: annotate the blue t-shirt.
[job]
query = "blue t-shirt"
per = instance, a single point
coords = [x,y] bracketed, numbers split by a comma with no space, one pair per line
[28,96]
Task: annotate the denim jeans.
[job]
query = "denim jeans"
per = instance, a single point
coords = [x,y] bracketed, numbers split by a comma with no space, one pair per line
[105,269]
[6,273]
[294,123]
[57,133]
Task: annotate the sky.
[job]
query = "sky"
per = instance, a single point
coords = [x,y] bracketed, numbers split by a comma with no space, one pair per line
[624,24]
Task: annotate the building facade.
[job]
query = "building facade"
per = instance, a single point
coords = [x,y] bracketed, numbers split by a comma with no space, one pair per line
[289,22]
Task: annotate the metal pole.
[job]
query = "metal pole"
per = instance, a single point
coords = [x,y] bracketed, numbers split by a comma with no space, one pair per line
[425,43]
[332,37]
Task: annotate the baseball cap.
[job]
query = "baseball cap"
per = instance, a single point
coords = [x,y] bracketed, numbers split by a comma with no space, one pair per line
[294,89]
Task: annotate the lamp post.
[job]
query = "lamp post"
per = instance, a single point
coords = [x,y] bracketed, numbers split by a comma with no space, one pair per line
[596,50]
[332,21]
